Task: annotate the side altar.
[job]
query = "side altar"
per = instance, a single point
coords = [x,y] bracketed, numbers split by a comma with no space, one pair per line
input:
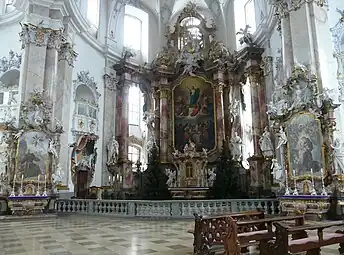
[31,166]
[306,168]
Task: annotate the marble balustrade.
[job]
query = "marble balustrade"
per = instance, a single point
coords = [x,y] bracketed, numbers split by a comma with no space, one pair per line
[166,208]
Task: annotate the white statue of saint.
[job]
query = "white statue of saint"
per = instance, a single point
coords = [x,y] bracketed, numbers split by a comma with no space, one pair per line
[282,138]
[236,143]
[266,144]
[276,170]
[212,177]
[338,156]
[52,149]
[171,177]
[112,150]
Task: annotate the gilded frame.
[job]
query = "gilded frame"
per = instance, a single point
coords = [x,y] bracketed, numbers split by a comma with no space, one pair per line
[319,153]
[214,106]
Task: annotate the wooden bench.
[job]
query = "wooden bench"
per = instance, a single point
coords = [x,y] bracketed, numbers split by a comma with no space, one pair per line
[246,233]
[210,231]
[310,244]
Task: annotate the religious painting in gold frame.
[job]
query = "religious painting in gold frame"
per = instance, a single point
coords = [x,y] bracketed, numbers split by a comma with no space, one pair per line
[193,110]
[305,144]
[33,159]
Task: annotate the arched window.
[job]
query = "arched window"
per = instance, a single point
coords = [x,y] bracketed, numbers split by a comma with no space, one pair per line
[244,15]
[93,12]
[136,102]
[136,30]
[133,154]
[190,27]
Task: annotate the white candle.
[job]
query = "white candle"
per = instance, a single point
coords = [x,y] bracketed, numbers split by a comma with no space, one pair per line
[14,178]
[294,172]
[38,178]
[109,178]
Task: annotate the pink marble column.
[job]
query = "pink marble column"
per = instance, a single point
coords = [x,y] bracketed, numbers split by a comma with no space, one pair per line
[156,95]
[255,108]
[164,93]
[220,122]
[122,129]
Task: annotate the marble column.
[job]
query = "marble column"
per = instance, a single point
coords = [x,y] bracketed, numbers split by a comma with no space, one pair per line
[220,122]
[122,127]
[287,47]
[34,44]
[156,95]
[65,65]
[164,94]
[109,114]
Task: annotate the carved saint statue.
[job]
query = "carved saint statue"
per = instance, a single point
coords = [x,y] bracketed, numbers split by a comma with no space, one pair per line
[266,144]
[338,156]
[246,35]
[212,177]
[236,143]
[112,150]
[52,149]
[276,170]
[57,176]
[282,138]
[171,177]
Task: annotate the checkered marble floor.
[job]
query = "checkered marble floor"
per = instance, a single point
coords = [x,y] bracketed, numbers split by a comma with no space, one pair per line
[96,235]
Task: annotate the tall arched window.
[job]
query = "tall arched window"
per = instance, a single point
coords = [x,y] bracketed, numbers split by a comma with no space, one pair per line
[135,106]
[244,15]
[136,30]
[93,12]
[133,154]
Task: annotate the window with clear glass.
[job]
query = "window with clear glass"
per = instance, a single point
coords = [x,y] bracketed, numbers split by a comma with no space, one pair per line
[190,27]
[93,12]
[133,154]
[250,15]
[136,23]
[135,97]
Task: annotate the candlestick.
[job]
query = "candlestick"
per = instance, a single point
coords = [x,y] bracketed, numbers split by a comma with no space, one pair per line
[21,186]
[313,191]
[287,191]
[323,192]
[37,191]
[295,192]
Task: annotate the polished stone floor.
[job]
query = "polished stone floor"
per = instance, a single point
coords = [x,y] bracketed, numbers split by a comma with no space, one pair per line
[98,235]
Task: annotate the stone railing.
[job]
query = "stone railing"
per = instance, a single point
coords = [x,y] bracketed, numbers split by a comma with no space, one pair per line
[164,209]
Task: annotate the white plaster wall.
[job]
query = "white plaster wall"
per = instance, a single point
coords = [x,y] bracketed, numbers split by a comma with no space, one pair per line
[9,35]
[92,60]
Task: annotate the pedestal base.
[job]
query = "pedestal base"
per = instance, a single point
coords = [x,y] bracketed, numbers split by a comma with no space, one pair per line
[189,193]
[313,207]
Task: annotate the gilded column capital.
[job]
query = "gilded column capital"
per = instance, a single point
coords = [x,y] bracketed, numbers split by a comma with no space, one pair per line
[110,82]
[38,36]
[67,53]
[164,92]
[256,77]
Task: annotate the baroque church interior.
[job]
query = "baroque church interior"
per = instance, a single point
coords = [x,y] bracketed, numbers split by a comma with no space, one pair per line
[192,127]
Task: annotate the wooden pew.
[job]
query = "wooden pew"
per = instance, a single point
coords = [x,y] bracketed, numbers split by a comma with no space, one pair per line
[246,233]
[210,231]
[310,244]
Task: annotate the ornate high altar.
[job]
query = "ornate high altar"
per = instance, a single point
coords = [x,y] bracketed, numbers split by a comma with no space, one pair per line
[193,102]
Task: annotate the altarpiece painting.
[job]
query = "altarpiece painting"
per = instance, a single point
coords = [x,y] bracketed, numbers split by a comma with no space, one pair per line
[193,114]
[33,157]
[305,144]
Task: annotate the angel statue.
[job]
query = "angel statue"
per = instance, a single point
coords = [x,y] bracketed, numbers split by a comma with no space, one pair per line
[171,175]
[282,138]
[341,12]
[338,156]
[246,35]
[112,150]
[266,144]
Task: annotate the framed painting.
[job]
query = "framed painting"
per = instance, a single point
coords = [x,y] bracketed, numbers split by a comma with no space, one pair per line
[33,158]
[305,144]
[194,114]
